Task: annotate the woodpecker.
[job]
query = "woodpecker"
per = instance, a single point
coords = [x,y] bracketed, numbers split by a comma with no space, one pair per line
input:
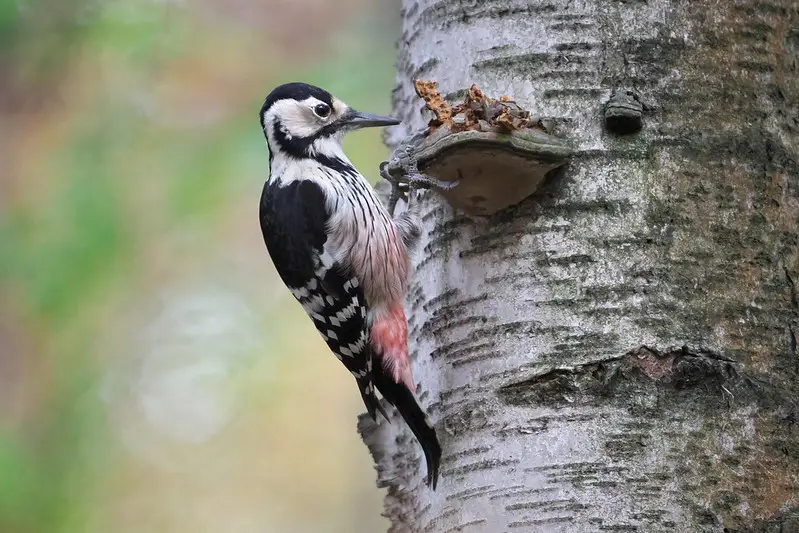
[339,252]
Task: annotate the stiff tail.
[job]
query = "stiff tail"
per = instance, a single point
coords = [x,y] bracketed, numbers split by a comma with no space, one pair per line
[370,400]
[398,395]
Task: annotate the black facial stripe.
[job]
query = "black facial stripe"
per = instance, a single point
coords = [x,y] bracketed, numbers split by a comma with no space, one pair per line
[294,146]
[300,146]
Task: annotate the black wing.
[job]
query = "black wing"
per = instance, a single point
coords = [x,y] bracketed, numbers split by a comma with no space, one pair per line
[293,223]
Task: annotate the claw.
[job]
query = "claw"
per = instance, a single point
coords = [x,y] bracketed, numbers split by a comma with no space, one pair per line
[411,179]
[384,173]
[392,203]
[420,181]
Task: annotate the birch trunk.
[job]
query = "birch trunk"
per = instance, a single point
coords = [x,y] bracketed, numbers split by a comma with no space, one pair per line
[617,352]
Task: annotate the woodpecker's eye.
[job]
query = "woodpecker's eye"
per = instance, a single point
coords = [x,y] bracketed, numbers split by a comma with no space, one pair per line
[322,110]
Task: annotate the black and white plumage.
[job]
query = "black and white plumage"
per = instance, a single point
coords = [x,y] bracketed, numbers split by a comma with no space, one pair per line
[338,250]
[333,300]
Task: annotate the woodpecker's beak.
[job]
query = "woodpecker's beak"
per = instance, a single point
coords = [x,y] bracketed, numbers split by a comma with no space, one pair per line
[357,119]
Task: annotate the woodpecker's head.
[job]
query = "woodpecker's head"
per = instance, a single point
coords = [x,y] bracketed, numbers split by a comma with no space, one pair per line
[302,121]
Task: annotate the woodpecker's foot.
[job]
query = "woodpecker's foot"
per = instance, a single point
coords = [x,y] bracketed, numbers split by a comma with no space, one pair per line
[420,181]
[396,192]
[404,187]
[410,178]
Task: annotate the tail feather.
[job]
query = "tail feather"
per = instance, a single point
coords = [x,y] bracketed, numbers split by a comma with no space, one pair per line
[408,406]
[370,400]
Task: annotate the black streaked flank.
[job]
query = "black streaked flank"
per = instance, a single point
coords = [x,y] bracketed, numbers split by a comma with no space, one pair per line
[336,164]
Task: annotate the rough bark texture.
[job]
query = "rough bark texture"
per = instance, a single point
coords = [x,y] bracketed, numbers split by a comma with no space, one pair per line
[619,351]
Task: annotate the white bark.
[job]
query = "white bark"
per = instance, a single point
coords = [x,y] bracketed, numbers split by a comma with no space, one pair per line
[617,352]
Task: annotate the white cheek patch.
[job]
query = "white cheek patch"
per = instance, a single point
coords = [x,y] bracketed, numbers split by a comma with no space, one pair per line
[296,118]
[339,107]
[329,146]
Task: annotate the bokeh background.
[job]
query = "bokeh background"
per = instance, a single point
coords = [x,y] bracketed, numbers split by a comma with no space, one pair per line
[154,374]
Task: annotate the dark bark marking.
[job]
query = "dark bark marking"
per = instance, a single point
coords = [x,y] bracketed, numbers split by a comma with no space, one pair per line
[467,416]
[465,525]
[488,464]
[469,493]
[548,505]
[680,369]
[517,490]
[542,521]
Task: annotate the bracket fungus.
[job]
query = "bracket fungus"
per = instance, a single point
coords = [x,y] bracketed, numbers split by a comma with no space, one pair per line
[494,151]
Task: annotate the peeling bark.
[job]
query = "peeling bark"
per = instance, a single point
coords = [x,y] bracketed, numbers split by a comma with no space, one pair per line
[617,352]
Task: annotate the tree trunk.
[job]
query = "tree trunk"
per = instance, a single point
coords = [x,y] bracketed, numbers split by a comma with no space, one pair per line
[617,352]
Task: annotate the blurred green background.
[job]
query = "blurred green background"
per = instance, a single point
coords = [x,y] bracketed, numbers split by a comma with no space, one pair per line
[155,376]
